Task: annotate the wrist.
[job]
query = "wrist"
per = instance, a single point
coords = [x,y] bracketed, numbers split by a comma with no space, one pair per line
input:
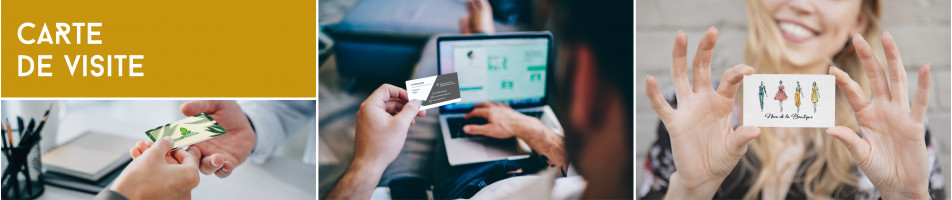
[683,188]
[530,128]
[365,164]
[119,186]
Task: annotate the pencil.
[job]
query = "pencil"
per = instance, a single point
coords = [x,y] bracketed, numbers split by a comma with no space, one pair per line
[10,131]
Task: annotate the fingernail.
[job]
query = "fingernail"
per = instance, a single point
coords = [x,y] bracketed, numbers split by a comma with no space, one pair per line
[466,128]
[224,170]
[167,138]
[216,162]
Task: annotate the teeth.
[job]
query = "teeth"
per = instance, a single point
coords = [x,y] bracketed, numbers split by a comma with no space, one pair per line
[795,30]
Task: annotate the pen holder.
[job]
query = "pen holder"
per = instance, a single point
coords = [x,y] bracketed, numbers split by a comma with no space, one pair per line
[21,172]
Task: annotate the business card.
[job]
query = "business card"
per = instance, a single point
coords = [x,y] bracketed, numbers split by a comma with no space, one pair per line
[435,91]
[188,131]
[789,100]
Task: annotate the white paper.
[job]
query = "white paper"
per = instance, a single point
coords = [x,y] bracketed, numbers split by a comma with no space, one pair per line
[767,105]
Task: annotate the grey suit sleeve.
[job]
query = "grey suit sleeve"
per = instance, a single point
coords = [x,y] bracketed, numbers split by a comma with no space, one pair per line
[274,122]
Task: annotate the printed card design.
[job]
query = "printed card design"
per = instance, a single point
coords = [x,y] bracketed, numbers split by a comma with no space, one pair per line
[435,91]
[782,100]
[188,131]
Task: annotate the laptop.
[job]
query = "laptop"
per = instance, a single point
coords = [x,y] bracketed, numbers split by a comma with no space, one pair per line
[512,69]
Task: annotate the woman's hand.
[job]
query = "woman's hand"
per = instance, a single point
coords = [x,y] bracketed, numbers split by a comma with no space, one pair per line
[892,149]
[157,173]
[705,146]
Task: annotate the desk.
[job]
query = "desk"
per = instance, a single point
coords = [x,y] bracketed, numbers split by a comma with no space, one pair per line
[278,178]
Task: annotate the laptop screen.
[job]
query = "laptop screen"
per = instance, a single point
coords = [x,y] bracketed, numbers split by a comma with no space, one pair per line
[509,69]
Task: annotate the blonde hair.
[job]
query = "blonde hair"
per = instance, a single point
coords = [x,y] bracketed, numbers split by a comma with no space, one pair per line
[831,168]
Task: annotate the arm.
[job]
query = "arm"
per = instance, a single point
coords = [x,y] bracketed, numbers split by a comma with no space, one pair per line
[382,124]
[504,122]
[274,122]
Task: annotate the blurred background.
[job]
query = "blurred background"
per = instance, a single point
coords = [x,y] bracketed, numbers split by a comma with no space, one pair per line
[289,173]
[921,29]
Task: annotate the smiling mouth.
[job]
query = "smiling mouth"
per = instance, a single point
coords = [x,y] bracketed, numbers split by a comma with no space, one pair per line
[795,32]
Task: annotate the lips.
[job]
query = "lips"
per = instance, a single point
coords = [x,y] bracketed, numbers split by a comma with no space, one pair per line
[796,32]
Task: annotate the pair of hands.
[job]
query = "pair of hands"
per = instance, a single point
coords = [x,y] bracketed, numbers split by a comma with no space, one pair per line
[385,117]
[224,153]
[892,151]
[152,175]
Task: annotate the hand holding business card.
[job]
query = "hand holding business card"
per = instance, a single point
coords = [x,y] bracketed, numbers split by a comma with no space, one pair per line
[435,91]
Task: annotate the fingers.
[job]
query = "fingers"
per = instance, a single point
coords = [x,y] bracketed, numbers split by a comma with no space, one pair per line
[679,65]
[211,164]
[383,94]
[478,112]
[225,170]
[731,80]
[702,60]
[478,129]
[140,147]
[897,73]
[921,100]
[658,104]
[464,25]
[854,94]
[877,78]
[195,107]
[185,158]
[741,136]
[160,148]
[409,111]
[857,146]
[394,106]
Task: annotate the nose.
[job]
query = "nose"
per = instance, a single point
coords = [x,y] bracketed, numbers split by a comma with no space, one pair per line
[801,6]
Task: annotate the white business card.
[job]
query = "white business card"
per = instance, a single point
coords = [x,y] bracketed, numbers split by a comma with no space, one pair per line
[789,100]
[435,91]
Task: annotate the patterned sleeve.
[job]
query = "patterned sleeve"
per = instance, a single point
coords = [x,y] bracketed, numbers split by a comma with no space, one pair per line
[659,165]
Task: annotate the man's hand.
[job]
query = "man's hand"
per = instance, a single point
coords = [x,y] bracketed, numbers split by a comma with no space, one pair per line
[220,155]
[157,174]
[503,122]
[382,124]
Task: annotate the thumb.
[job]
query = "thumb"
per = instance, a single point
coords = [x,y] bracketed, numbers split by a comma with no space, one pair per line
[857,146]
[159,149]
[741,136]
[409,111]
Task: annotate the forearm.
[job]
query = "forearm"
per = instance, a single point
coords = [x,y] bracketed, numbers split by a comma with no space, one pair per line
[549,145]
[692,189]
[358,182]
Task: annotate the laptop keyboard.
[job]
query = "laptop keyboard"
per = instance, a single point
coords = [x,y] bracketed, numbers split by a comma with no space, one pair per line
[456,124]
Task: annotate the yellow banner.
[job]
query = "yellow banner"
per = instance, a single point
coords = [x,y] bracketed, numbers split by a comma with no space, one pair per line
[108,48]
